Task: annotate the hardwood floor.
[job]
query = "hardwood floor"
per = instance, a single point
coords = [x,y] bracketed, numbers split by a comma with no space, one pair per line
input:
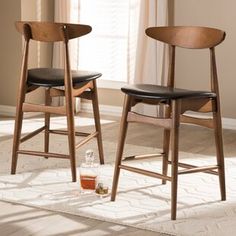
[18,220]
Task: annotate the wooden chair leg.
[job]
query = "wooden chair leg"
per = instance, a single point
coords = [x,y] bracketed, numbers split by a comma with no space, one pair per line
[18,123]
[16,138]
[48,101]
[219,152]
[19,106]
[71,136]
[97,121]
[166,145]
[18,126]
[174,155]
[120,146]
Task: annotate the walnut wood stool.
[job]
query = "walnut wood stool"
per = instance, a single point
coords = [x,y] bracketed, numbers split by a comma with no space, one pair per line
[176,102]
[56,82]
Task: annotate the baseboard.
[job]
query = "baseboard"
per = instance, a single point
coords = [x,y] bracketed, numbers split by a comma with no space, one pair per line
[7,110]
[10,111]
[227,123]
[104,109]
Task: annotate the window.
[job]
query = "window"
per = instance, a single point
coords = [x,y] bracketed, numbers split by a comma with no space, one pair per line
[105,49]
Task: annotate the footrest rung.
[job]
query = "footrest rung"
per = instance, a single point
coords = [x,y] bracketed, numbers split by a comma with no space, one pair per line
[142,157]
[197,169]
[185,165]
[32,134]
[43,154]
[89,137]
[65,132]
[145,172]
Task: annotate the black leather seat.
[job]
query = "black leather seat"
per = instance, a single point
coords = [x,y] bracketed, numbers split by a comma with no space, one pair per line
[160,92]
[53,77]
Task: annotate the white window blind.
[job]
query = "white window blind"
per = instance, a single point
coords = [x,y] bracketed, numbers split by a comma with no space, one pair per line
[105,49]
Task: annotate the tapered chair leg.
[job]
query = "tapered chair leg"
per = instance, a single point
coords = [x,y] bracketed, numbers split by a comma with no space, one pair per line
[120,146]
[48,101]
[16,139]
[19,106]
[97,122]
[71,136]
[219,152]
[174,156]
[166,145]
[18,125]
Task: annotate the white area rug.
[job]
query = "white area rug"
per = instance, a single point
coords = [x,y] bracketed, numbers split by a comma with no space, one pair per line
[141,201]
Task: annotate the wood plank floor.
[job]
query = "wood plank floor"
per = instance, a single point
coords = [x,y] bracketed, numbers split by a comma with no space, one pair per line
[18,220]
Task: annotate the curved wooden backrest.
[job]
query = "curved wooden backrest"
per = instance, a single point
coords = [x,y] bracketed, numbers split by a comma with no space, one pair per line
[194,37]
[52,32]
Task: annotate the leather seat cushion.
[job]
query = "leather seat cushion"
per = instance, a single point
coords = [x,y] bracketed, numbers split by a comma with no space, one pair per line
[162,92]
[52,77]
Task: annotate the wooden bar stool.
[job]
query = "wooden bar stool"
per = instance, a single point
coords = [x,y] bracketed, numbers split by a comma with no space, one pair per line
[176,102]
[75,83]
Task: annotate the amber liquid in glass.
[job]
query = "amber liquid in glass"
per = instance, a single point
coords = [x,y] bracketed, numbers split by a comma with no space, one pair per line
[88,182]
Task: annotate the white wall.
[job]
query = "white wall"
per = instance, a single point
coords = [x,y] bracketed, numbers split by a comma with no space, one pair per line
[191,67]
[10,48]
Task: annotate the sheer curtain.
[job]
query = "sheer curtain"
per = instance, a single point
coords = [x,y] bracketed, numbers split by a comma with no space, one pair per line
[145,58]
[65,12]
[151,56]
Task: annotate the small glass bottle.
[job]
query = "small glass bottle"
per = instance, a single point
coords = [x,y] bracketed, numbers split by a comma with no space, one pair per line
[88,172]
